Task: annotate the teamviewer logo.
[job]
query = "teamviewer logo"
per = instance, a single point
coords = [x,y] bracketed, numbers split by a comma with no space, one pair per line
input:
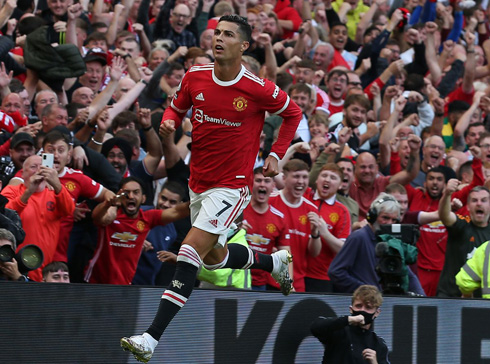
[199,115]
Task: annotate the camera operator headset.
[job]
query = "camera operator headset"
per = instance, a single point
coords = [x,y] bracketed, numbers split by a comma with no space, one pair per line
[375,218]
[375,209]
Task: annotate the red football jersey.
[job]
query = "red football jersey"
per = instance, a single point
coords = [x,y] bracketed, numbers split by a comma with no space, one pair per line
[433,237]
[119,247]
[77,184]
[337,217]
[268,232]
[227,119]
[298,232]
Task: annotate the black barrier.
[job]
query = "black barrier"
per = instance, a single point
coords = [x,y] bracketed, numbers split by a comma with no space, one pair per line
[60,323]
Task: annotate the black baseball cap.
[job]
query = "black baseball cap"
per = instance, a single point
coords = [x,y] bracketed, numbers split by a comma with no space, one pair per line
[96,55]
[21,138]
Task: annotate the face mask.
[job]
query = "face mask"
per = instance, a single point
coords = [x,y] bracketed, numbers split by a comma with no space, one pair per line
[368,317]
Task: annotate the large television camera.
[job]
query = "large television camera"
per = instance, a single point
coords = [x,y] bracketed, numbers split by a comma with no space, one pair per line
[395,249]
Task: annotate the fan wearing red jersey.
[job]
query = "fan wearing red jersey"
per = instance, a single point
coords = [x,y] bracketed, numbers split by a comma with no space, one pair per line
[266,229]
[333,222]
[303,236]
[228,111]
[123,228]
[77,184]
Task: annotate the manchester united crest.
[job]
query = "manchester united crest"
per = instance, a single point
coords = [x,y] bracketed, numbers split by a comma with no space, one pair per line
[70,186]
[303,219]
[140,225]
[240,103]
[334,217]
[271,228]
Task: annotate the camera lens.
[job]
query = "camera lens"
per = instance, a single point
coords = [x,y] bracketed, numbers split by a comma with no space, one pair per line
[6,253]
[31,257]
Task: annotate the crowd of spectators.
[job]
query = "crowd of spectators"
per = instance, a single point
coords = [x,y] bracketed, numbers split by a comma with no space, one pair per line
[395,97]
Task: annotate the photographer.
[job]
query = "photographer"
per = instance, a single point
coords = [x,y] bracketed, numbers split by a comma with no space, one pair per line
[9,270]
[351,339]
[355,264]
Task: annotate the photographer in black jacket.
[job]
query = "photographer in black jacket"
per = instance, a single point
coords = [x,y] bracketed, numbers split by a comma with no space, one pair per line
[350,339]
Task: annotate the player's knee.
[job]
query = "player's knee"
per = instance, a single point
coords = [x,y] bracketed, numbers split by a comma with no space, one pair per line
[188,254]
[217,266]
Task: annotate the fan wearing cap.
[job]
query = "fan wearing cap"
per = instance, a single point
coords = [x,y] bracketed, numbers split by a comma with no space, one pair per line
[21,148]
[95,61]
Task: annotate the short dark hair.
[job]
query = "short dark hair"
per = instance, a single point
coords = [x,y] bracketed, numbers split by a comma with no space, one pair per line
[464,168]
[243,27]
[95,36]
[27,25]
[126,180]
[438,169]
[54,267]
[306,63]
[123,119]
[54,135]
[300,87]
[414,82]
[338,72]
[173,66]
[338,24]
[348,160]
[362,100]
[175,187]
[472,126]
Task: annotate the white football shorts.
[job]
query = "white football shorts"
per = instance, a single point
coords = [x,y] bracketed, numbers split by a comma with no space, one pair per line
[215,210]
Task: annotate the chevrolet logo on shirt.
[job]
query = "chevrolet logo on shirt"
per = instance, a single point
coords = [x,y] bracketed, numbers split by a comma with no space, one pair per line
[124,237]
[257,239]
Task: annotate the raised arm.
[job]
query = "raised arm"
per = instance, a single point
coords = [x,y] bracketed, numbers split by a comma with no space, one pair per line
[464,121]
[406,176]
[153,143]
[430,53]
[387,131]
[448,217]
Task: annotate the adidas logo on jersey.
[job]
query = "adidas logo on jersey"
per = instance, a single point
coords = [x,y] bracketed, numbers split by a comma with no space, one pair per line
[200,97]
[214,222]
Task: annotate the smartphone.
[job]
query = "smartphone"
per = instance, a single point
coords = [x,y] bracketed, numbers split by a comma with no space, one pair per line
[47,160]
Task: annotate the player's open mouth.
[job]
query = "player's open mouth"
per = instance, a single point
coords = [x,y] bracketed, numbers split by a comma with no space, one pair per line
[262,191]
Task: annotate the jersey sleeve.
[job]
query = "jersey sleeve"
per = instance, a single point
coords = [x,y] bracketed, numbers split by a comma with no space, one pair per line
[276,101]
[154,217]
[90,188]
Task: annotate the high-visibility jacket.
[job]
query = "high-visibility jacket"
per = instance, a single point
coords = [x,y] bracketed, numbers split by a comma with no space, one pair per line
[227,277]
[476,272]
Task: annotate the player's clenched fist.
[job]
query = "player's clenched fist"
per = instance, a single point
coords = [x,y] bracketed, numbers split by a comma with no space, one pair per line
[167,127]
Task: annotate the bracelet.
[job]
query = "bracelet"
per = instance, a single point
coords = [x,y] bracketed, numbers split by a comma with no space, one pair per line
[481,22]
[315,236]
[148,128]
[439,114]
[96,142]
[188,133]
[470,51]
[143,81]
